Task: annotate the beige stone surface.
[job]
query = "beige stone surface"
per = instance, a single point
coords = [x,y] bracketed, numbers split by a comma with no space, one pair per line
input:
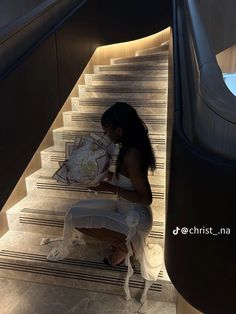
[19,297]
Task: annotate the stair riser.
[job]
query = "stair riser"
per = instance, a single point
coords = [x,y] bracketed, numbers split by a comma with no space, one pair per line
[132,67]
[135,76]
[99,106]
[124,83]
[83,93]
[60,138]
[158,58]
[74,120]
[50,188]
[113,285]
[29,225]
[161,74]
[131,71]
[51,161]
[44,185]
[100,109]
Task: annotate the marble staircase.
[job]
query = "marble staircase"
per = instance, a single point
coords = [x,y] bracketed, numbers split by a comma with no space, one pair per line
[140,80]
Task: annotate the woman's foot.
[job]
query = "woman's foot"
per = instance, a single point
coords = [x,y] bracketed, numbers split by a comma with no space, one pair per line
[108,261]
[122,245]
[117,258]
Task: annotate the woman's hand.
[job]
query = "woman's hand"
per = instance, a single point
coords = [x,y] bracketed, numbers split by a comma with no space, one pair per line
[104,186]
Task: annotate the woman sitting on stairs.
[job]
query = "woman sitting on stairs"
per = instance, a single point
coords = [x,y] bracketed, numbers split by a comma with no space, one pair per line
[127,221]
[122,125]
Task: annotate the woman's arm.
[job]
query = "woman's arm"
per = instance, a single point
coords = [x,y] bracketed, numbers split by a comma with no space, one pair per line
[142,192]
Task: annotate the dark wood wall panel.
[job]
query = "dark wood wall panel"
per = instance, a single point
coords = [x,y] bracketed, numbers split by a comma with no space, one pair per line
[29,103]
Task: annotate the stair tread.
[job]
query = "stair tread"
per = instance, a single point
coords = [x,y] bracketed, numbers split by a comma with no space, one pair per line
[134,66]
[146,117]
[51,204]
[158,55]
[138,72]
[87,259]
[56,299]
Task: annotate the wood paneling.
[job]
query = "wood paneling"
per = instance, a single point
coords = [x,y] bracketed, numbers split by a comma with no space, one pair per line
[227,60]
[11,10]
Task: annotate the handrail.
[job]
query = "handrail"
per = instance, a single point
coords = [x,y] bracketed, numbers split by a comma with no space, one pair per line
[20,35]
[210,107]
[178,91]
[18,24]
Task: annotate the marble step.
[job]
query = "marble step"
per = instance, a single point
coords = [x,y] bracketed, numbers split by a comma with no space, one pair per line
[132,68]
[41,183]
[68,134]
[39,214]
[160,56]
[154,50]
[140,62]
[149,62]
[133,76]
[46,215]
[106,91]
[50,158]
[99,105]
[91,121]
[43,299]
[118,80]
[21,257]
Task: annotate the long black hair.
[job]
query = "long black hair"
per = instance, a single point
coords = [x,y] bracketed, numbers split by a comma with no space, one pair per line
[135,133]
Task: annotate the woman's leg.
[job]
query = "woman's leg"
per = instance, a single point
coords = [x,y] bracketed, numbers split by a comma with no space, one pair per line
[116,239]
[103,234]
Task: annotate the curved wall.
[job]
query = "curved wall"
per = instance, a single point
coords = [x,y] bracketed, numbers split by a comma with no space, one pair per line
[200,259]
